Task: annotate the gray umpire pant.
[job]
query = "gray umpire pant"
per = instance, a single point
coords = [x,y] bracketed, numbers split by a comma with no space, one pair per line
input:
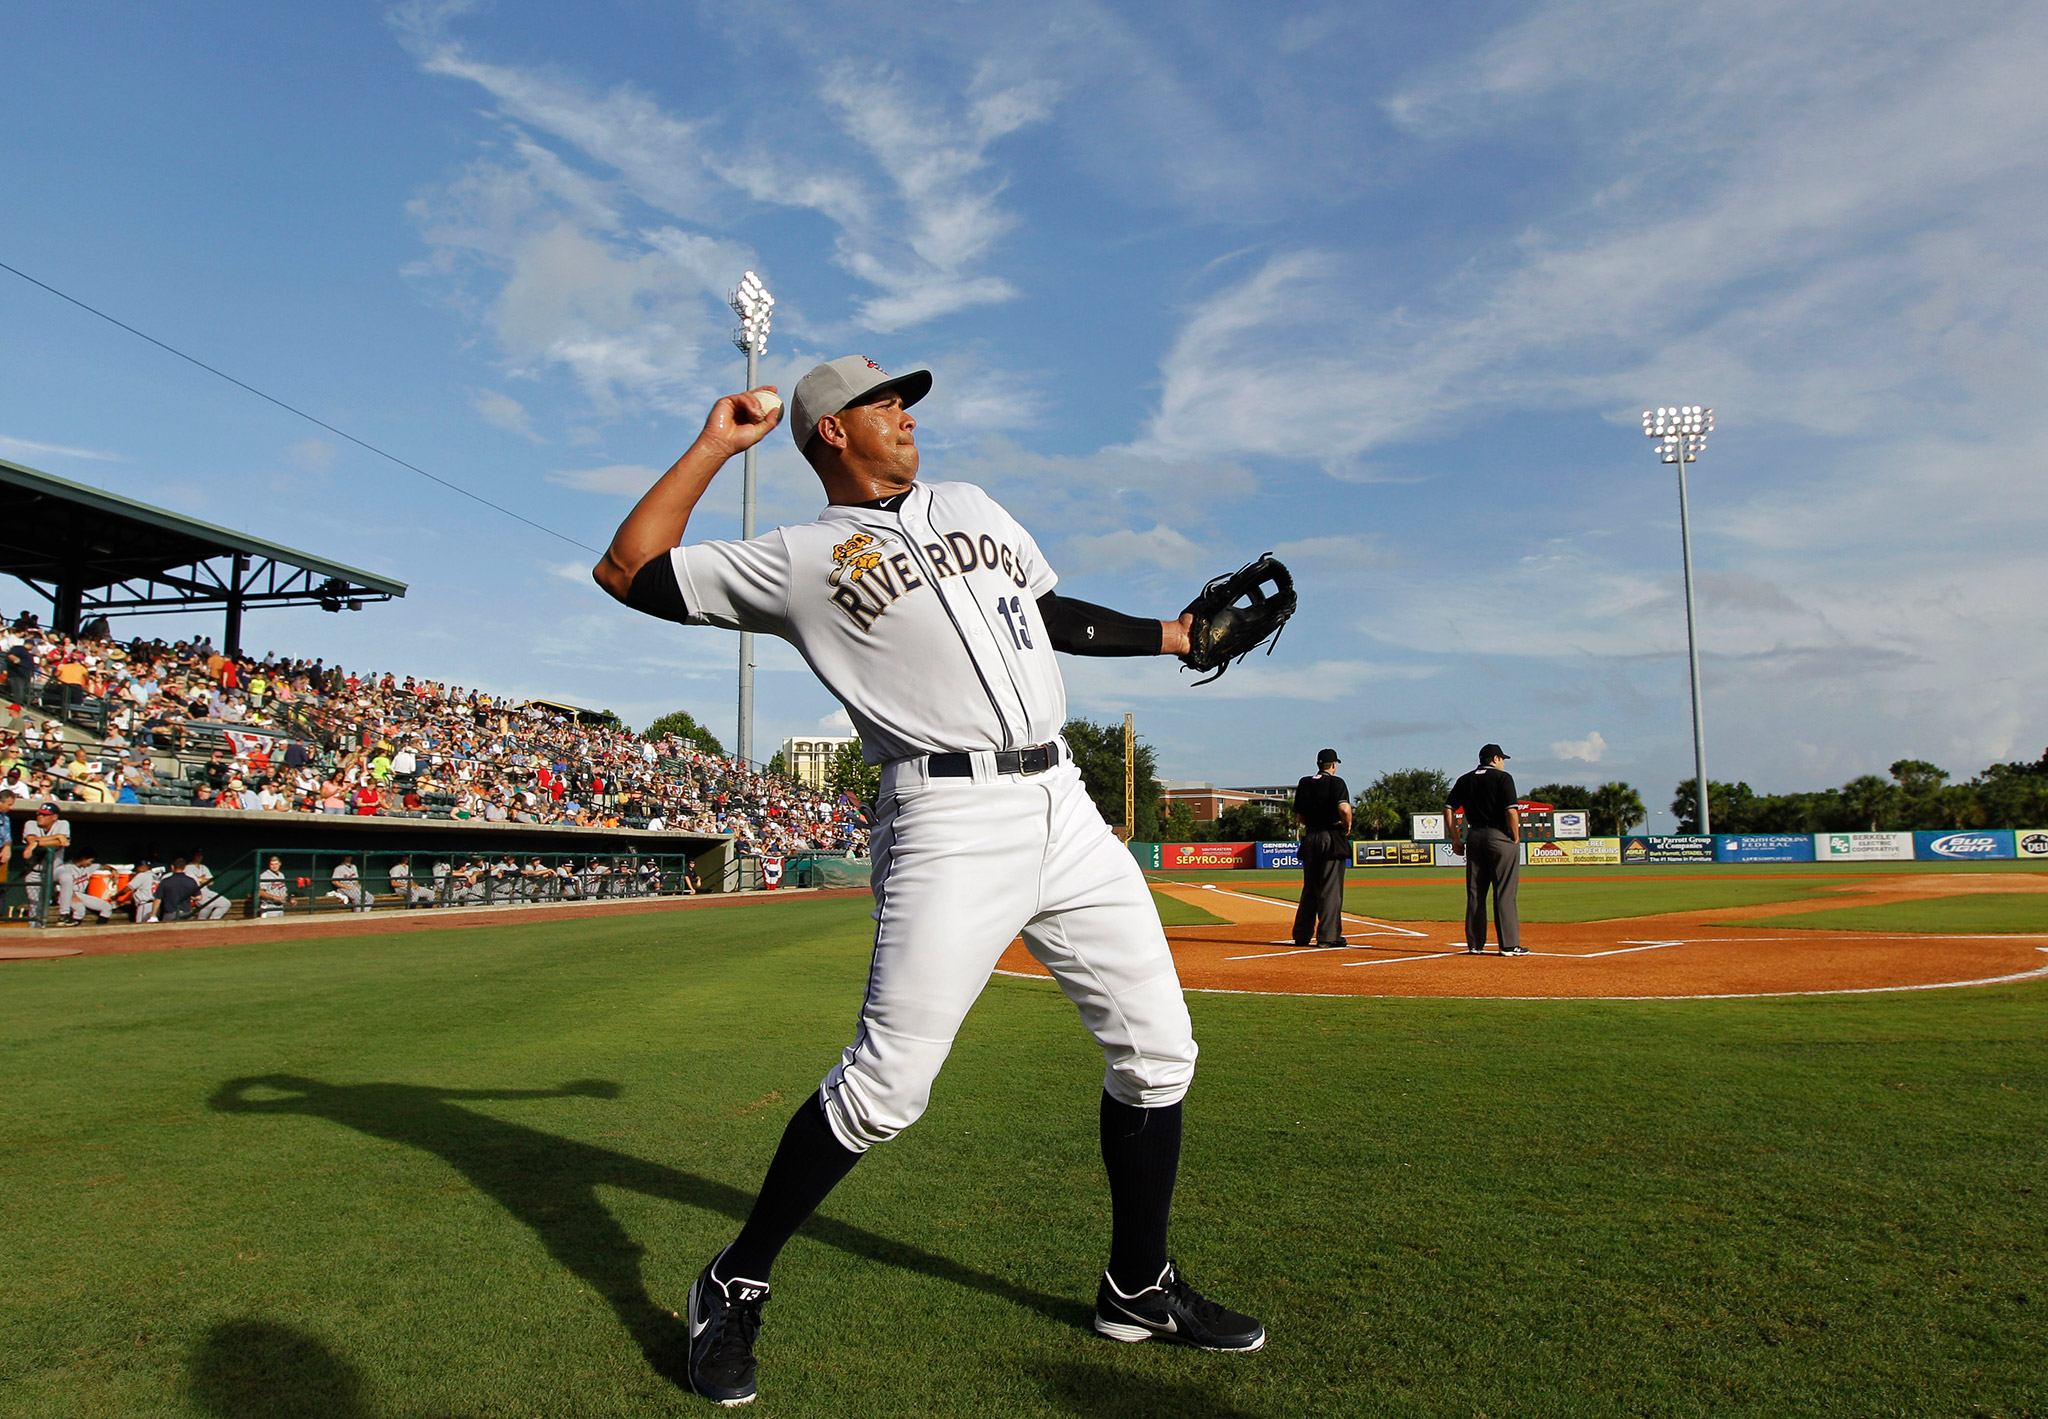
[1324,855]
[1492,860]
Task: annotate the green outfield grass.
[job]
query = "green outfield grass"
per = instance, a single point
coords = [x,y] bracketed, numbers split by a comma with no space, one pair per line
[470,1172]
[1174,912]
[2003,912]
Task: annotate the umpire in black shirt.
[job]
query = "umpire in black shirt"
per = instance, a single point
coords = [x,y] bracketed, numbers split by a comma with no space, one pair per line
[1322,805]
[1491,837]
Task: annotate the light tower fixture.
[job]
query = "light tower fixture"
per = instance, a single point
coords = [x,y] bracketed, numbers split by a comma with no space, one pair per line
[751,302]
[1681,433]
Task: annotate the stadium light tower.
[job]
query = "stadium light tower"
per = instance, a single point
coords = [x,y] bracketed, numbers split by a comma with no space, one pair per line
[1681,433]
[751,302]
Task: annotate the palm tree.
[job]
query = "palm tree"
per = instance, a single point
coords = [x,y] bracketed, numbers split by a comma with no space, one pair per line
[1616,808]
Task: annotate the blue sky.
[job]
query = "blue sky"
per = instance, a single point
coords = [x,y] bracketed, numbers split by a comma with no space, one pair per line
[1381,287]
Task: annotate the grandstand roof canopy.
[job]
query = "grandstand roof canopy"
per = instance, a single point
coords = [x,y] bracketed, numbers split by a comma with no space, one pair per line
[94,553]
[575,712]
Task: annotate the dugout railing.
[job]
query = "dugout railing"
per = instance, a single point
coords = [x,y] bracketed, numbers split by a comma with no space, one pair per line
[307,882]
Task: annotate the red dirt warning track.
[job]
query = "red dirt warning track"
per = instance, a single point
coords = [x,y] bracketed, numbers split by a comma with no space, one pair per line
[1653,957]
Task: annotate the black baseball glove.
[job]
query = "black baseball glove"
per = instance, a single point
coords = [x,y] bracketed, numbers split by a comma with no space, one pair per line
[1237,614]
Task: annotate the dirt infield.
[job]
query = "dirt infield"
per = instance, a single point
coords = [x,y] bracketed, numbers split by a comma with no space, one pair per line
[1678,955]
[26,945]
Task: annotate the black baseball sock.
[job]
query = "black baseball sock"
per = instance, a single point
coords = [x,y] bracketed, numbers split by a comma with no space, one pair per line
[808,1164]
[1141,1154]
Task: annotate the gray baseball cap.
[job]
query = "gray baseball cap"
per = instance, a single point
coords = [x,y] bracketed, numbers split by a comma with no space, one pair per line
[842,383]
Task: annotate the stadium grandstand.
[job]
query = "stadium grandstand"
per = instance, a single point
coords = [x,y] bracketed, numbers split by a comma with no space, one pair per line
[162,740]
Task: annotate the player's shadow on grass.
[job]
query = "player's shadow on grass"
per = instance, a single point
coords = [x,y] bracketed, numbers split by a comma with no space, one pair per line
[550,1183]
[258,1369]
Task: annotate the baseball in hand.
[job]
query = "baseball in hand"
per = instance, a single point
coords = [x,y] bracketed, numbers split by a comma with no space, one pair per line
[769,401]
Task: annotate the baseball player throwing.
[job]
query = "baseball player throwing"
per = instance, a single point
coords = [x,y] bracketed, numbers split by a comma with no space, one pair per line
[931,615]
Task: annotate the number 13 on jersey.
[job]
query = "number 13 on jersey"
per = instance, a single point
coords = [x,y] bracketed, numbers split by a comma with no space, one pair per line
[1012,611]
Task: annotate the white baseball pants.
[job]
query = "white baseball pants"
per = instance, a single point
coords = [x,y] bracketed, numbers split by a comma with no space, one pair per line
[961,867]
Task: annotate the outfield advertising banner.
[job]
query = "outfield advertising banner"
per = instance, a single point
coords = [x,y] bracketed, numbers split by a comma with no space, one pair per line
[1763,847]
[1863,847]
[1147,855]
[1393,854]
[1640,850]
[1427,827]
[2031,842]
[1571,823]
[1173,855]
[1448,856]
[1969,845]
[1279,854]
[1583,852]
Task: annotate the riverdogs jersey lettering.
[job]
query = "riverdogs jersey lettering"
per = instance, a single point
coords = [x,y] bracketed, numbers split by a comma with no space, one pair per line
[923,621]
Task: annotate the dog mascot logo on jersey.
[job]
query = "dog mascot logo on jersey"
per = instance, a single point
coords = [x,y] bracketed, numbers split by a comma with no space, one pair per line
[867,579]
[856,557]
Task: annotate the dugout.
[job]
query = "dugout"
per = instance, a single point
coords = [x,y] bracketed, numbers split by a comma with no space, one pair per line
[230,838]
[92,553]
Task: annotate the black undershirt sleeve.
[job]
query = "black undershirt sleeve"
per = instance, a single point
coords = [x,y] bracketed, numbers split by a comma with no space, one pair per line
[656,592]
[1079,628]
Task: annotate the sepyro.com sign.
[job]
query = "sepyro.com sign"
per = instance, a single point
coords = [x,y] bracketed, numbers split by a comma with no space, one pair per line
[1970,843]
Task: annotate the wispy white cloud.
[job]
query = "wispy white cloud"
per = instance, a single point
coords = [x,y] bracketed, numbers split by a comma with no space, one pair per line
[502,411]
[1341,550]
[619,480]
[1748,244]
[1122,550]
[904,182]
[29,448]
[313,455]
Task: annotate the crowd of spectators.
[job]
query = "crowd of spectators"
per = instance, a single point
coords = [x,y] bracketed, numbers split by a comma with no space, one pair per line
[143,721]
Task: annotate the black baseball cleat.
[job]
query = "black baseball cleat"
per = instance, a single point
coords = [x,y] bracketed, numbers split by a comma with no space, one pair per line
[1475,950]
[1514,950]
[724,1316]
[1170,1309]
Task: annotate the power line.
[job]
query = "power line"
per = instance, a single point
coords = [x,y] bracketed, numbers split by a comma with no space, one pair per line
[290,409]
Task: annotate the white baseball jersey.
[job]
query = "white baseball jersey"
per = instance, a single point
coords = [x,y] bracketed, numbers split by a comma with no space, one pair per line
[923,622]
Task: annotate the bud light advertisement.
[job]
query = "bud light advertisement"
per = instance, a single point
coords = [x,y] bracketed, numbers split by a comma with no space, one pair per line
[1966,845]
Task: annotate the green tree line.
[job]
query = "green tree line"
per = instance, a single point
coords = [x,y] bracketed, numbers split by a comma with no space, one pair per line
[1917,795]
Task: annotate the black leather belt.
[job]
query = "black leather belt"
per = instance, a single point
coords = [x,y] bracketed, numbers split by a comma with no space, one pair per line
[1035,760]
